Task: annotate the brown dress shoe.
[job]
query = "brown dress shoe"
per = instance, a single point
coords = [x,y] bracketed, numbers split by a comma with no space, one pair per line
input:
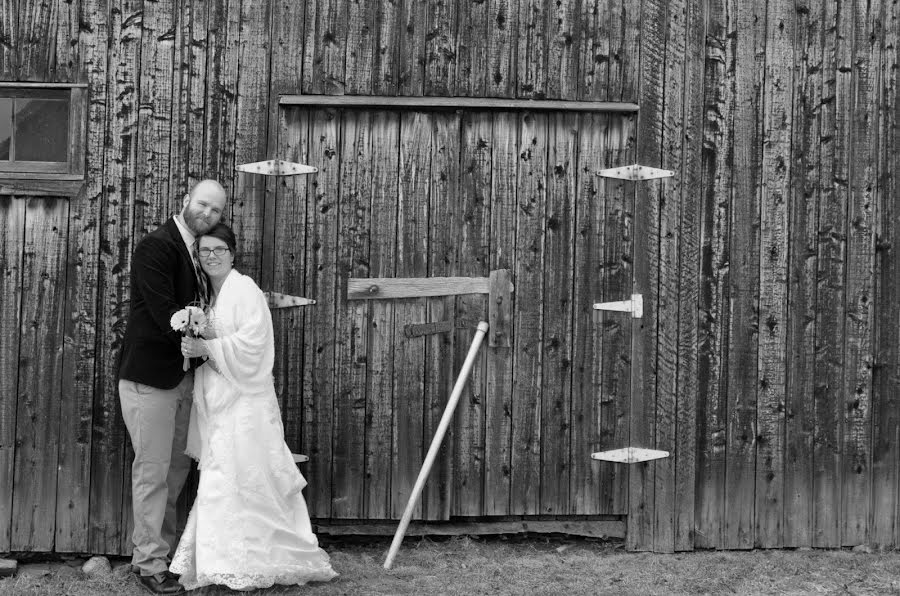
[161,583]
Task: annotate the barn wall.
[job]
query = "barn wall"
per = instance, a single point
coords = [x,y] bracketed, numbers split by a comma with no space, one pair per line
[769,349]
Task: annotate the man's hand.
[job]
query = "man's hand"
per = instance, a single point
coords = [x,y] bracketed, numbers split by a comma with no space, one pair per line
[193,347]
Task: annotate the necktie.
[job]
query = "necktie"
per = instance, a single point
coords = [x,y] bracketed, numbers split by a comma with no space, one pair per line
[202,282]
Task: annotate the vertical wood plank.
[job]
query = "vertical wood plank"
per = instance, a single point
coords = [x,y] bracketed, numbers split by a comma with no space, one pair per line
[198,50]
[597,19]
[646,248]
[350,324]
[409,354]
[40,380]
[531,191]
[251,112]
[9,29]
[625,55]
[444,232]
[471,49]
[829,367]
[773,291]
[79,356]
[411,63]
[689,279]
[324,51]
[749,27]
[223,96]
[863,171]
[531,57]
[387,51]
[440,42]
[321,284]
[667,298]
[36,34]
[498,393]
[110,474]
[12,243]
[64,60]
[886,373]
[716,165]
[180,141]
[155,117]
[360,56]
[556,375]
[563,36]
[803,265]
[289,276]
[502,29]
[218,87]
[472,259]
[382,260]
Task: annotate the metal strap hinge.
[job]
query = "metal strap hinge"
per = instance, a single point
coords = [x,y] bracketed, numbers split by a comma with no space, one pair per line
[277,300]
[276,167]
[630,455]
[635,306]
[636,172]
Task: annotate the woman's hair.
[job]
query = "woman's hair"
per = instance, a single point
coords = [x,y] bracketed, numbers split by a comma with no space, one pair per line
[226,235]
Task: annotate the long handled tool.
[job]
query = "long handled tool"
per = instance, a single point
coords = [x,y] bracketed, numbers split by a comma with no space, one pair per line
[436,443]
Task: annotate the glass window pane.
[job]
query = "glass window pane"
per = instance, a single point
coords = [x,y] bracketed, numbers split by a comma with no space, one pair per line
[5,126]
[42,129]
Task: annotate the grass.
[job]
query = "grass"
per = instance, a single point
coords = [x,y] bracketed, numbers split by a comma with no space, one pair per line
[542,565]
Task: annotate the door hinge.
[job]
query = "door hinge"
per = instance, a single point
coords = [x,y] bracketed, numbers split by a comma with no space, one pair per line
[630,455]
[635,306]
[636,172]
[276,167]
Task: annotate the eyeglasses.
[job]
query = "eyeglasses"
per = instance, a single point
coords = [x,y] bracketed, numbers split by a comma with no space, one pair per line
[218,251]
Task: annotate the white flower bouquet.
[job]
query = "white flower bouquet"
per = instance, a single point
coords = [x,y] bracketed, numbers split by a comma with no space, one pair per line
[190,321]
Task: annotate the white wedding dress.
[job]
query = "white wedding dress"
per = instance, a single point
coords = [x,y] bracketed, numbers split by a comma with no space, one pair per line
[249,527]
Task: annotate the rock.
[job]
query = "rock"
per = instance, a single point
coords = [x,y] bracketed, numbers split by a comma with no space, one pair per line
[96,567]
[863,548]
[34,570]
[8,567]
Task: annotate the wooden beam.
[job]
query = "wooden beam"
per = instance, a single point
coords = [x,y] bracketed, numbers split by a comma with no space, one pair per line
[455,103]
[40,187]
[380,288]
[592,528]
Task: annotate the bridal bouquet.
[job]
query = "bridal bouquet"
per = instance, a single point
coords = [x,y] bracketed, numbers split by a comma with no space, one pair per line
[190,321]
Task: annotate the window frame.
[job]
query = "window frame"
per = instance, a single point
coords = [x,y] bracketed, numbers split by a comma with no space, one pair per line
[50,178]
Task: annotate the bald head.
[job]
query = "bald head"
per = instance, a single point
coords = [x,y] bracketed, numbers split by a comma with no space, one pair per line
[202,206]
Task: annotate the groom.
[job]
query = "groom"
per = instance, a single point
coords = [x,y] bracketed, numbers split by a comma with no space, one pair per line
[154,392]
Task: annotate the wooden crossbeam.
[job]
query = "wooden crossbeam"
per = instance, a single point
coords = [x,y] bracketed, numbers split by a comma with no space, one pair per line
[380,288]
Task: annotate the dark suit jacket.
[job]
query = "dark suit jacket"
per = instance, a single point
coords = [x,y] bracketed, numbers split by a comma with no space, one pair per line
[162,282]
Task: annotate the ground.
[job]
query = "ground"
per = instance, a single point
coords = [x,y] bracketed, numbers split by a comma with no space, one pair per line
[533,565]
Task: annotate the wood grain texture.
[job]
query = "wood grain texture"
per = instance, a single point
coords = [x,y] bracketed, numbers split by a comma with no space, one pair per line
[528,314]
[556,373]
[743,277]
[503,18]
[319,339]
[110,513]
[597,29]
[359,58]
[387,53]
[886,381]
[351,354]
[9,31]
[689,280]
[531,50]
[716,165]
[12,242]
[862,202]
[381,337]
[667,296]
[472,258]
[642,432]
[411,62]
[64,61]
[325,48]
[42,320]
[563,61]
[773,266]
[441,33]
[830,320]
[408,449]
[802,269]
[471,48]
[444,223]
[197,52]
[498,392]
[381,288]
[36,22]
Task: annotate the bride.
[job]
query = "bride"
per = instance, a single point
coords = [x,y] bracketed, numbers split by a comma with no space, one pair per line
[249,527]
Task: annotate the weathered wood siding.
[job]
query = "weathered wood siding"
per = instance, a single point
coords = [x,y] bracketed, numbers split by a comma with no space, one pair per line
[767,362]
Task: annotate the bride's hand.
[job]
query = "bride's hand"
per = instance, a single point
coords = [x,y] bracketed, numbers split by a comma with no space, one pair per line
[193,347]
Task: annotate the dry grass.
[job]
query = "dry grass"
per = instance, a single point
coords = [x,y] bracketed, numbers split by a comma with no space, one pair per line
[541,565]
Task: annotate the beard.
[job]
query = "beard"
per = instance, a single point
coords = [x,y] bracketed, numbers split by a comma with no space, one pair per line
[195,221]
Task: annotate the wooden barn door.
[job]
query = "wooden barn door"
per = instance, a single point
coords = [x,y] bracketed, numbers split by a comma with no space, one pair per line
[33,259]
[455,193]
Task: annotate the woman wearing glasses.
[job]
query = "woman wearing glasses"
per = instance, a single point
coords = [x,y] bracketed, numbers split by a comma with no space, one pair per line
[249,527]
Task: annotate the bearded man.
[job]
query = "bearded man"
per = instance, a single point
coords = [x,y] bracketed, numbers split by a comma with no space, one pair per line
[155,392]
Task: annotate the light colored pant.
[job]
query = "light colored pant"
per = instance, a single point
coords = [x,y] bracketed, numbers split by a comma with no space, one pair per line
[157,422]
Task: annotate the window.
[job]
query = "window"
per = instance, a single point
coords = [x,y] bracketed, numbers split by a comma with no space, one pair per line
[42,134]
